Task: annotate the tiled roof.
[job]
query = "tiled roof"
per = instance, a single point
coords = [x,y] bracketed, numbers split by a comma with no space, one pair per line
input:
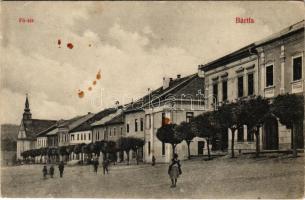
[86,125]
[76,121]
[160,93]
[118,119]
[107,118]
[36,126]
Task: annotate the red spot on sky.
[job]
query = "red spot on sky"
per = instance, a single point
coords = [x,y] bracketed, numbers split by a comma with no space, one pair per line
[89,88]
[70,45]
[89,45]
[59,42]
[98,75]
[94,82]
[81,94]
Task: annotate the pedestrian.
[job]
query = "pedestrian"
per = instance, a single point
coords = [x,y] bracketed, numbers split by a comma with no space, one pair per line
[153,161]
[95,164]
[45,172]
[174,170]
[105,166]
[61,168]
[52,171]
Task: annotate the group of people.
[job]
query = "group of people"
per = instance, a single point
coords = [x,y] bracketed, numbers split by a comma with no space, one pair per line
[174,169]
[105,164]
[61,168]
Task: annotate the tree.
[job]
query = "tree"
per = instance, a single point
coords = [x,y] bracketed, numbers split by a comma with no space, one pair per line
[205,126]
[125,144]
[289,108]
[253,113]
[187,133]
[169,134]
[229,117]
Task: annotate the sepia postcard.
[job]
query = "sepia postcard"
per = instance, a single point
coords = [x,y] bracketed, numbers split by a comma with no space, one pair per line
[152,99]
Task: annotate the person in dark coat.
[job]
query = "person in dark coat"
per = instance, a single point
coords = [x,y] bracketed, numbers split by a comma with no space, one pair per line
[51,171]
[45,172]
[153,161]
[95,164]
[174,170]
[61,168]
[105,166]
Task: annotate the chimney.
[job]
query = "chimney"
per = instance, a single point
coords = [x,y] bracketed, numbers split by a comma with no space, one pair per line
[166,81]
[170,79]
[178,75]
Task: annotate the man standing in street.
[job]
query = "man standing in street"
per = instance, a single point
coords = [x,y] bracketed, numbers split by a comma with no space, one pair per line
[61,167]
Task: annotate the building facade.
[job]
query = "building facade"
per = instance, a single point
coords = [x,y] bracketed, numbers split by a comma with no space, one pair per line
[269,67]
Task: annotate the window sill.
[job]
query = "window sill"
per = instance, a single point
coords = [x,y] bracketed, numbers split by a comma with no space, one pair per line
[270,87]
[296,81]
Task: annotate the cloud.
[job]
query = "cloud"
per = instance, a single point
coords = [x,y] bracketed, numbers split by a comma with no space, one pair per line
[134,45]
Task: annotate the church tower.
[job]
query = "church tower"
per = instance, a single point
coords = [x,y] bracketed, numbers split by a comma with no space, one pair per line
[27,115]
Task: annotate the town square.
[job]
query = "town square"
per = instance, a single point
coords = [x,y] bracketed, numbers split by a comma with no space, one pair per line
[128,100]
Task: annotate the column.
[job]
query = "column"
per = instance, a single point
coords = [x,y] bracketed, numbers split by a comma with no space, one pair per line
[262,66]
[282,59]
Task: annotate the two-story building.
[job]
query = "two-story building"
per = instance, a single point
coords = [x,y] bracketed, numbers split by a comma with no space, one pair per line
[269,67]
[178,100]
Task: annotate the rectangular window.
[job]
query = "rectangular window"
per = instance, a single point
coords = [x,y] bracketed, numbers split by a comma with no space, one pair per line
[148,121]
[89,136]
[127,128]
[297,68]
[77,137]
[240,134]
[110,132]
[136,125]
[85,136]
[189,116]
[240,86]
[250,136]
[269,75]
[224,90]
[215,93]
[141,124]
[81,136]
[121,130]
[163,148]
[148,146]
[250,84]
[114,131]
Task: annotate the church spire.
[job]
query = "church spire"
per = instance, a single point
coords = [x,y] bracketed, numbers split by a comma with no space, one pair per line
[27,112]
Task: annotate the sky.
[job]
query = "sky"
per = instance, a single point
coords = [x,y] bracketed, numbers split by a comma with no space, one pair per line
[133,45]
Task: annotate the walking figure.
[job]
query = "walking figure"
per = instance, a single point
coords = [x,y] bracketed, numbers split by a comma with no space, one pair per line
[153,161]
[95,164]
[45,172]
[105,166]
[174,170]
[51,171]
[61,168]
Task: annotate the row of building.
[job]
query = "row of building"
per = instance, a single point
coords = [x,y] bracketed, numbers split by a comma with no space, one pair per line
[269,67]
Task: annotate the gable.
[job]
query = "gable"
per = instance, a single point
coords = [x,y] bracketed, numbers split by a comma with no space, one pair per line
[21,132]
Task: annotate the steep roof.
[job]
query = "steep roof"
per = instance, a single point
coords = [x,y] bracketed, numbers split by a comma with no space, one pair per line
[107,118]
[35,126]
[86,125]
[118,119]
[160,93]
[76,121]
